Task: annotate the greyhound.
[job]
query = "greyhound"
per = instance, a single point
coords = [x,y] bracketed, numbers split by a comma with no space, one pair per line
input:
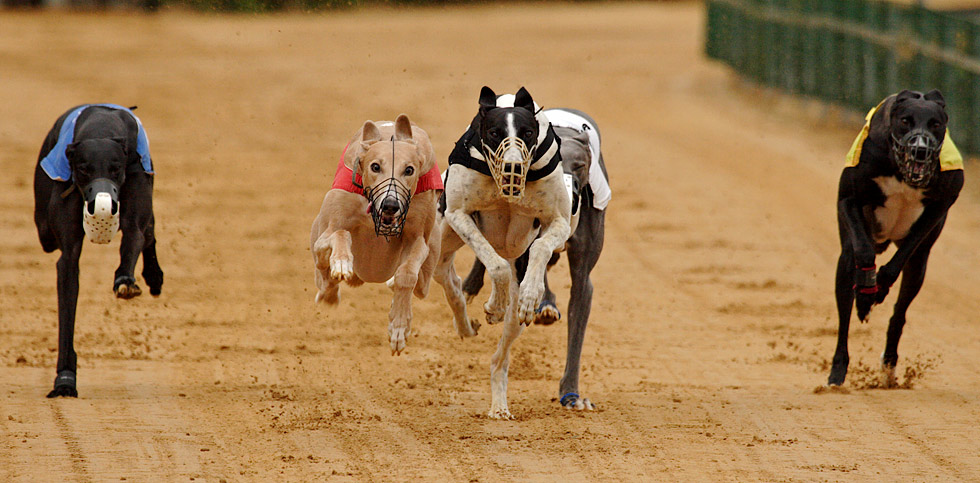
[94,176]
[903,174]
[582,161]
[505,195]
[381,227]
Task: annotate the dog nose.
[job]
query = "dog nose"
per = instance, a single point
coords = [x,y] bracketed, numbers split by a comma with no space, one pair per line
[389,207]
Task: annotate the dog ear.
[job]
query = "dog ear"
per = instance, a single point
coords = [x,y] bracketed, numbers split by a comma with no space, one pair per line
[370,134]
[488,101]
[403,129]
[71,151]
[121,141]
[937,97]
[523,99]
[906,95]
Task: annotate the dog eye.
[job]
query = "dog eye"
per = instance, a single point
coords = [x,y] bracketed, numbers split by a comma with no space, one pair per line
[527,133]
[934,124]
[494,133]
[375,167]
[409,171]
[907,121]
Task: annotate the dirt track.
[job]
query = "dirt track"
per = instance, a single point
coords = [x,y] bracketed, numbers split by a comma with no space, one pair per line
[712,323]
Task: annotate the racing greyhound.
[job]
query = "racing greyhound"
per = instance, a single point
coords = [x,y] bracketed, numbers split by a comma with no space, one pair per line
[505,195]
[903,174]
[585,168]
[94,176]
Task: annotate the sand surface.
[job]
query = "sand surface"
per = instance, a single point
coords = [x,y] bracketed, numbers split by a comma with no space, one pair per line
[713,319]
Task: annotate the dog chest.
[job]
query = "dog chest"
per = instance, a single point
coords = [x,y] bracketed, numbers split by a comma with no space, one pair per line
[902,207]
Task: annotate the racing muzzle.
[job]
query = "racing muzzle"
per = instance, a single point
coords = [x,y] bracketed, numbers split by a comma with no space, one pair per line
[509,164]
[100,210]
[917,156]
[388,204]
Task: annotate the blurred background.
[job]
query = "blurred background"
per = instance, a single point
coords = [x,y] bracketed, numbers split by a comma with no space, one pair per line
[856,52]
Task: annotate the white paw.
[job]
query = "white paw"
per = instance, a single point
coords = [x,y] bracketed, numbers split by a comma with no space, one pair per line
[580,404]
[527,304]
[465,330]
[398,338]
[500,413]
[495,311]
[342,269]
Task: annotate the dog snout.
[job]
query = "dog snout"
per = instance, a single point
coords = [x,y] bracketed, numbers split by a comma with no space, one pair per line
[390,207]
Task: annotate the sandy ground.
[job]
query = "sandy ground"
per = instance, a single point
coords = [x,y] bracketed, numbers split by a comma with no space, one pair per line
[713,318]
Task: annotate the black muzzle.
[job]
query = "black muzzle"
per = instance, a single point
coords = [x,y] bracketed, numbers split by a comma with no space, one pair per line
[917,156]
[388,204]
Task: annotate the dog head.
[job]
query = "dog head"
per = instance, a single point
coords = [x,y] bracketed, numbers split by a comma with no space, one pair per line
[508,138]
[99,168]
[917,129]
[389,171]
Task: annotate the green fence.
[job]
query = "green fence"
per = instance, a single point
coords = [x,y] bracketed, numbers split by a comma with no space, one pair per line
[853,52]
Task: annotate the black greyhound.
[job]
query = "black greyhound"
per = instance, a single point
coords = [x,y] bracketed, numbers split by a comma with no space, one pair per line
[94,177]
[584,248]
[903,175]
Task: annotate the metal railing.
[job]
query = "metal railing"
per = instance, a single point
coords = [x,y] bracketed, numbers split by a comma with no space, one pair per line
[853,53]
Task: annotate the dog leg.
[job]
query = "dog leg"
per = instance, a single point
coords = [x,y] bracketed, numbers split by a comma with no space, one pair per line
[500,362]
[583,253]
[500,270]
[445,275]
[532,287]
[332,252]
[133,242]
[405,279]
[913,275]
[547,312]
[474,280]
[152,272]
[429,265]
[64,383]
[328,289]
[845,302]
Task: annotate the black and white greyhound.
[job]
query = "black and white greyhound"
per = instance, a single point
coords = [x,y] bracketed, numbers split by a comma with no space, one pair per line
[94,177]
[902,176]
[583,163]
[506,194]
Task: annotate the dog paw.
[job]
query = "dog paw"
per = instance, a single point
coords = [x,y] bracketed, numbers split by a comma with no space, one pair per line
[501,413]
[342,269]
[888,378]
[575,402]
[398,338]
[495,315]
[327,296]
[864,303]
[530,297]
[465,330]
[64,385]
[127,291]
[547,314]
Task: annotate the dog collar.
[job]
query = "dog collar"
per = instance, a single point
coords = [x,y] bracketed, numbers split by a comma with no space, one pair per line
[461,155]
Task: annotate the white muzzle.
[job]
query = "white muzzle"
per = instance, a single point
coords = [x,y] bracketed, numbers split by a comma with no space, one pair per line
[509,164]
[103,224]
